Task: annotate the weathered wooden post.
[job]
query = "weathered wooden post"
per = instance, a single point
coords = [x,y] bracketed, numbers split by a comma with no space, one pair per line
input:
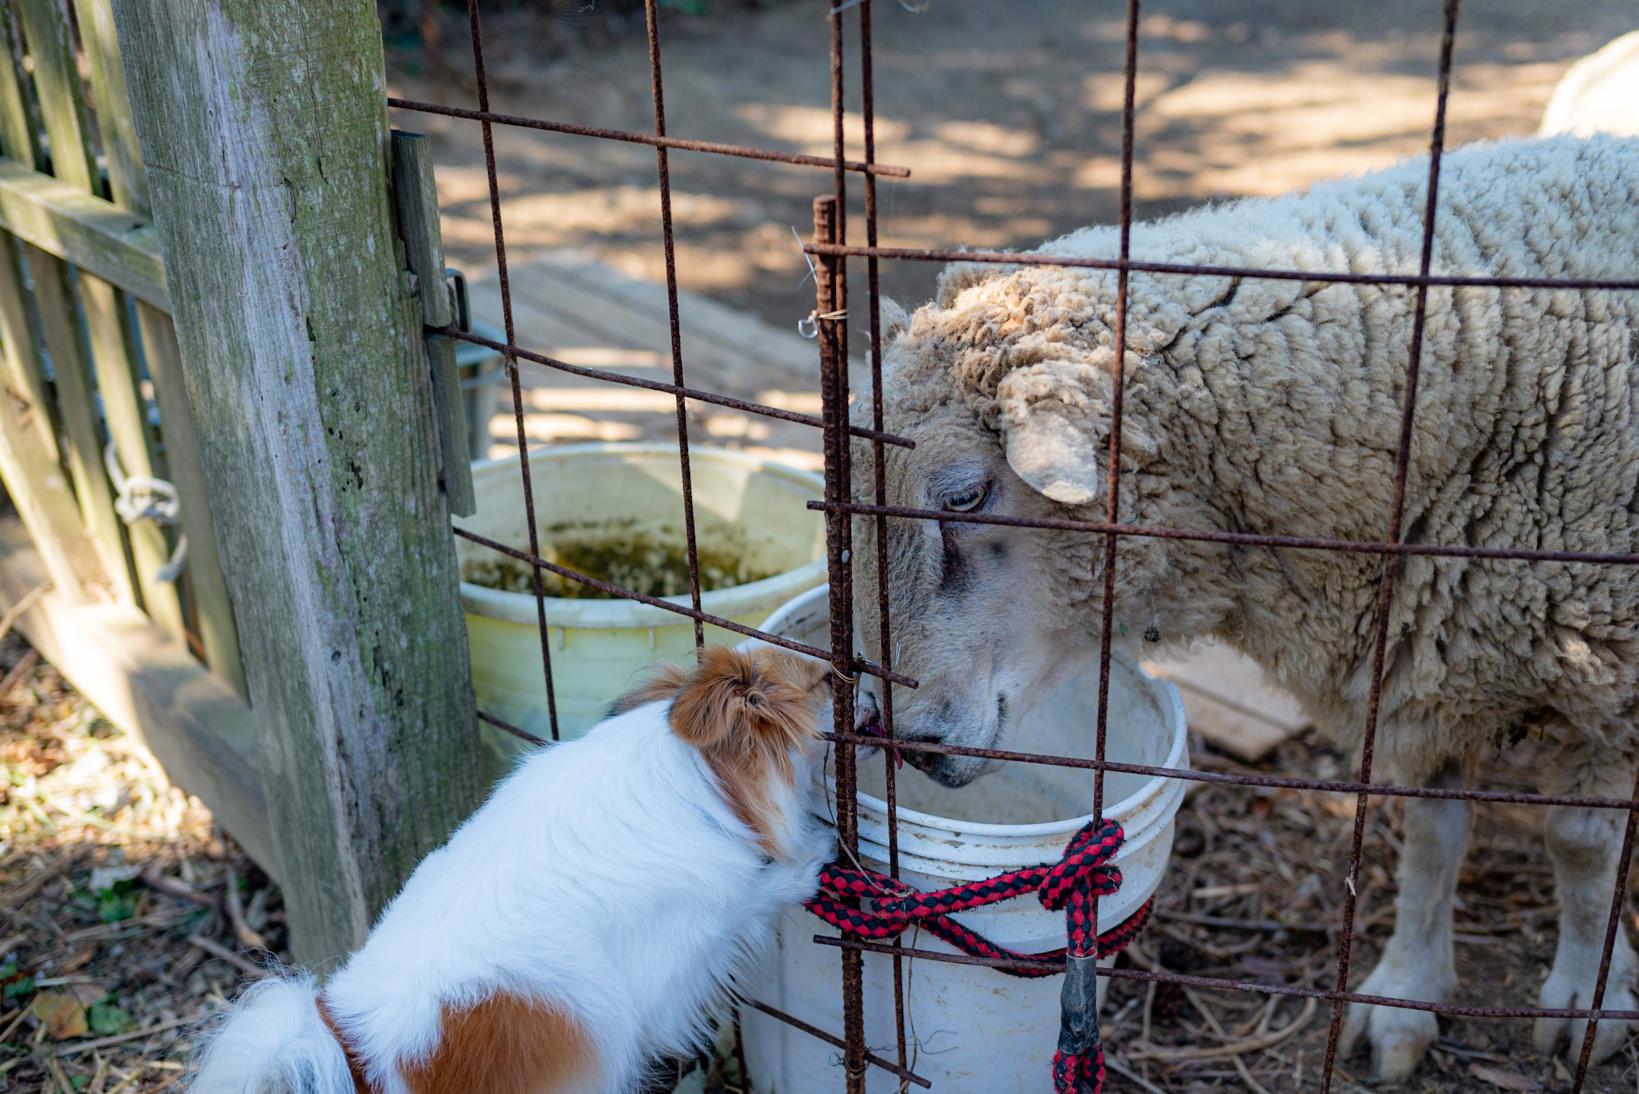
[263,126]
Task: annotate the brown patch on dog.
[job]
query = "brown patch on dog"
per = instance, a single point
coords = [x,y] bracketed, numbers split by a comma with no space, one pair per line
[665,683]
[355,1066]
[505,1045]
[747,712]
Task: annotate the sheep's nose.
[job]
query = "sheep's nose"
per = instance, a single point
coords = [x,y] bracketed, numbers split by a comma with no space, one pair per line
[866,711]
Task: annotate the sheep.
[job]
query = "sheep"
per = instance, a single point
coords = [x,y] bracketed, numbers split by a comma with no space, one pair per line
[1265,406]
[1596,95]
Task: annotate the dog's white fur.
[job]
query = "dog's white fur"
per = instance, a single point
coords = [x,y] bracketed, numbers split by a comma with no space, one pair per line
[607,877]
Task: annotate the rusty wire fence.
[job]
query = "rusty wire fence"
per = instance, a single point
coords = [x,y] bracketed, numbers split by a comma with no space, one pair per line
[830,245]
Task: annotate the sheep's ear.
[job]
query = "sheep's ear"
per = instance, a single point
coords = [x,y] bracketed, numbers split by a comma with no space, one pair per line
[1051,424]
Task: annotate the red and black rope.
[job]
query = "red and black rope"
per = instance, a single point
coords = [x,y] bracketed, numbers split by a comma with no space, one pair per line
[865,904]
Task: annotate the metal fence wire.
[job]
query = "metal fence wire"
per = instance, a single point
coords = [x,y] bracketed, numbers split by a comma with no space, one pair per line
[831,247]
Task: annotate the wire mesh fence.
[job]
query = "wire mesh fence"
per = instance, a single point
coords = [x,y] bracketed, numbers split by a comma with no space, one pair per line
[833,309]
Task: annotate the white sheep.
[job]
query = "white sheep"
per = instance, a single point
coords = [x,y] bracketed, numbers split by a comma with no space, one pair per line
[1598,94]
[1274,407]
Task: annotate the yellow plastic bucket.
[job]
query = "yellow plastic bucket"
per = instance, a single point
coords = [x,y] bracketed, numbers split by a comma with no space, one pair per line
[751,507]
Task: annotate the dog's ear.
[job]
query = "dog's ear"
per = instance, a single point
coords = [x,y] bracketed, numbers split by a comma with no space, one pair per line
[761,692]
[664,684]
[749,713]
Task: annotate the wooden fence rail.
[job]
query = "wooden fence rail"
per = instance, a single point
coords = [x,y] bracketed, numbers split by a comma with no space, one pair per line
[304,668]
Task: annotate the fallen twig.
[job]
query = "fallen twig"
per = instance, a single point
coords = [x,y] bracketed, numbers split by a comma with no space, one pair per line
[25,665]
[216,949]
[1246,1076]
[134,1035]
[30,598]
[248,937]
[15,896]
[173,886]
[1126,1072]
[1236,1048]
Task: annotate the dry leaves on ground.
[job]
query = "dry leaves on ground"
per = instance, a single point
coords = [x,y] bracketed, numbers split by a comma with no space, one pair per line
[125,915]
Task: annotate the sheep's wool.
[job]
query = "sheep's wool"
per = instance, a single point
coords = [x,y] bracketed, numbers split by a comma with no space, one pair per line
[1274,407]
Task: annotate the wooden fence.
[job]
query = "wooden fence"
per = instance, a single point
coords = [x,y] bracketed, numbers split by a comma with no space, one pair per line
[241,320]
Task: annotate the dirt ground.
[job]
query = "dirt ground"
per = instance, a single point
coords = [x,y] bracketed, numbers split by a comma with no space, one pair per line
[1254,893]
[1008,116]
[126,917]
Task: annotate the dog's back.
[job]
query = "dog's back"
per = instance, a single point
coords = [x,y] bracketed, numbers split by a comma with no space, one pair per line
[584,920]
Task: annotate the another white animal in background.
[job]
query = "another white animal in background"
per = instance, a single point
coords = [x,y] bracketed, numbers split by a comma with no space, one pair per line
[585,921]
[1274,407]
[1598,94]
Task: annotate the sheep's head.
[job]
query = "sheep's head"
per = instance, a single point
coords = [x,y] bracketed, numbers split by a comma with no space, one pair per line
[1009,409]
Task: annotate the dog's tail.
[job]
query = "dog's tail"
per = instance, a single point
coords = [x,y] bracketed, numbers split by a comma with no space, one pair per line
[273,1039]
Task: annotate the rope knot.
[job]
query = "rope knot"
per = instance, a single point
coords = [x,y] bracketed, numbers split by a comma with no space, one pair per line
[1084,866]
[865,904]
[143,497]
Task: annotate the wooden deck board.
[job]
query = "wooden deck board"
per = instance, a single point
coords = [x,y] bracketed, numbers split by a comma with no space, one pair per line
[1228,702]
[580,311]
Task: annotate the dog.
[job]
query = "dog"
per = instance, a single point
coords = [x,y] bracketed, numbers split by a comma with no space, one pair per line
[588,919]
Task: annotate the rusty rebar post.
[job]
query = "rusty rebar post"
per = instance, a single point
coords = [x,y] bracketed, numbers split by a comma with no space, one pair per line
[537,584]
[1619,902]
[1251,987]
[1385,601]
[884,627]
[679,144]
[839,558]
[1256,273]
[668,243]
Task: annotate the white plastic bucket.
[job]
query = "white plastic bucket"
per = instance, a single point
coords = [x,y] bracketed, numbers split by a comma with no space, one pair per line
[754,507]
[973,1029]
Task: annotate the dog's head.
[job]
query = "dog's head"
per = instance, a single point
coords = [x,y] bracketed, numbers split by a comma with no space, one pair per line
[755,715]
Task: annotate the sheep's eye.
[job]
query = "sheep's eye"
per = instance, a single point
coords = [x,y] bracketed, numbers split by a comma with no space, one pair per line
[968,500]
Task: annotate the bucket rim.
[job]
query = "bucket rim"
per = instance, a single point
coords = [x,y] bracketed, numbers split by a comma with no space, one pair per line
[1167,698]
[1153,788]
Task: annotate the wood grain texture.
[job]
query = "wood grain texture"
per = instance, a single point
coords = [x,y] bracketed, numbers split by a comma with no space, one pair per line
[267,168]
[50,47]
[17,134]
[33,476]
[213,610]
[77,407]
[112,102]
[101,305]
[415,197]
[128,184]
[95,235]
[125,412]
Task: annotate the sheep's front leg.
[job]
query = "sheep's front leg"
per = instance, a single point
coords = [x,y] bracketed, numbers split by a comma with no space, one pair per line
[1585,846]
[1418,962]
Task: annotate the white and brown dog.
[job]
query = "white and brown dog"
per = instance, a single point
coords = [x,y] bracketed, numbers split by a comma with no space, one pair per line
[586,920]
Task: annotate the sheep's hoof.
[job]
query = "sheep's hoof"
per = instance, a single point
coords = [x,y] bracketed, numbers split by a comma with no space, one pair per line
[1561,992]
[1399,1037]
